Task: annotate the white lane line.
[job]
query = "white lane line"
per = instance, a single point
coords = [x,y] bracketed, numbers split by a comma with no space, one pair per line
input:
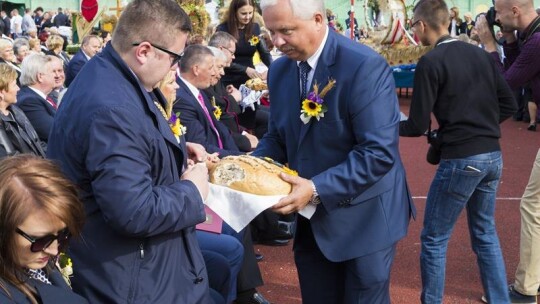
[498,198]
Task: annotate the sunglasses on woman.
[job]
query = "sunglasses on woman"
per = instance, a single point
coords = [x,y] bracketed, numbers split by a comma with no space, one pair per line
[42,243]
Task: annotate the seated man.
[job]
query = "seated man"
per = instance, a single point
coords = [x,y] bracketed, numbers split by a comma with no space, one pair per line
[257,120]
[37,80]
[59,78]
[196,114]
[227,106]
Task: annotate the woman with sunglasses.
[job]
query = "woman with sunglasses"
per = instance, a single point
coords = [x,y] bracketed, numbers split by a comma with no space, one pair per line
[39,211]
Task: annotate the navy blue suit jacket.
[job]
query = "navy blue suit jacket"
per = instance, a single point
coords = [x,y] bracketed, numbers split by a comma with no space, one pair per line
[57,292]
[138,242]
[39,112]
[198,128]
[351,154]
[74,66]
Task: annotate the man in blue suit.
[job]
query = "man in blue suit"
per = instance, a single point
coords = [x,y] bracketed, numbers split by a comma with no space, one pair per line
[196,111]
[37,79]
[348,160]
[90,46]
[142,192]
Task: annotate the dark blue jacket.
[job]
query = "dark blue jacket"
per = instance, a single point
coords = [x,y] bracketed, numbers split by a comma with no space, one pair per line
[138,244]
[74,66]
[351,154]
[39,112]
[61,19]
[58,292]
[198,128]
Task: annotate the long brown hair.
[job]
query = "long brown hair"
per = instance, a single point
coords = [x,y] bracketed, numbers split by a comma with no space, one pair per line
[28,184]
[232,19]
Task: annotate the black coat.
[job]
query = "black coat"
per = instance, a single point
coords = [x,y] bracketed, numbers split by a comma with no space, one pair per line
[22,139]
[7,26]
[236,73]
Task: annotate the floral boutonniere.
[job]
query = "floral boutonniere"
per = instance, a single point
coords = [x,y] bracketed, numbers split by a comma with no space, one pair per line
[65,266]
[217,109]
[254,40]
[173,119]
[313,105]
[176,127]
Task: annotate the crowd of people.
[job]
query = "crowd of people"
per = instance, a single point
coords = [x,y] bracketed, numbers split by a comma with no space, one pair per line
[107,151]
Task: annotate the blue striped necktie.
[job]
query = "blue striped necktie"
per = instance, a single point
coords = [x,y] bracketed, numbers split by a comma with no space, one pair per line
[304,71]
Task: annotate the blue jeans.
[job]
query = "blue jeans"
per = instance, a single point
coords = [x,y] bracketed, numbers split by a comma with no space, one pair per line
[457,186]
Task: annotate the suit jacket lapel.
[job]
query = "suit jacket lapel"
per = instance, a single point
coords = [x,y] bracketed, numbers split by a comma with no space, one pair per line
[321,77]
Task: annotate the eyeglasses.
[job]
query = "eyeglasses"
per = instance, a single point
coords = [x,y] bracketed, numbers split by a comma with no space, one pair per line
[176,57]
[42,243]
[231,52]
[415,23]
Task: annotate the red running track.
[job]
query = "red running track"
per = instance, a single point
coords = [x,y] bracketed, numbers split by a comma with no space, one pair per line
[463,284]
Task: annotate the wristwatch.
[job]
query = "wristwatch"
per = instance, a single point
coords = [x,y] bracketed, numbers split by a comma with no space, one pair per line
[315,198]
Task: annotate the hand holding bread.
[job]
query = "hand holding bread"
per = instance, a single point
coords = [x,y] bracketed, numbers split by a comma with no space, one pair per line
[252,175]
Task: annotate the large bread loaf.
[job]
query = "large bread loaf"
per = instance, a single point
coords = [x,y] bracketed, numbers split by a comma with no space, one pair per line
[251,174]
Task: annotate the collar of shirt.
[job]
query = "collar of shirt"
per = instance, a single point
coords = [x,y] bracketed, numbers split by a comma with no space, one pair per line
[314,59]
[87,57]
[38,92]
[191,87]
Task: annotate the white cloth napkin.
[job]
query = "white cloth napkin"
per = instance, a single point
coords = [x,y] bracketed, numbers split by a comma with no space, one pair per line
[238,208]
[249,97]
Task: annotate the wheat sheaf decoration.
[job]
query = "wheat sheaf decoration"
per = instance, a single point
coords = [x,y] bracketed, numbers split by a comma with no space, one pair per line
[198,15]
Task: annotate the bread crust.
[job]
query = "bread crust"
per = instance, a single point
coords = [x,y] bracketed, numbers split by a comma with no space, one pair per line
[251,174]
[257,84]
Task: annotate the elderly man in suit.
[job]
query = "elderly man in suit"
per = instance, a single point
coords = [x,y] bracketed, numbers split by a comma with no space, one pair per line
[90,46]
[143,192]
[348,162]
[37,80]
[197,115]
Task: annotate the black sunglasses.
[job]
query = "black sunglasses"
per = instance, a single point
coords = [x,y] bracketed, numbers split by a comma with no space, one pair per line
[42,243]
[176,57]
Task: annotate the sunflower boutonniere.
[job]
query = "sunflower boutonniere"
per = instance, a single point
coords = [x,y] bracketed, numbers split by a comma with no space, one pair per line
[313,105]
[173,119]
[217,109]
[254,40]
[65,266]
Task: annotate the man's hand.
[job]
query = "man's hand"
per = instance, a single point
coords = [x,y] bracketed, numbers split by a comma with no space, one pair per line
[484,33]
[253,140]
[196,152]
[198,174]
[298,198]
[486,38]
[234,92]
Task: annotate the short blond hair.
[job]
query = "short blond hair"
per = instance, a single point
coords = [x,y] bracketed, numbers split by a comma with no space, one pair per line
[54,42]
[7,75]
[33,42]
[4,43]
